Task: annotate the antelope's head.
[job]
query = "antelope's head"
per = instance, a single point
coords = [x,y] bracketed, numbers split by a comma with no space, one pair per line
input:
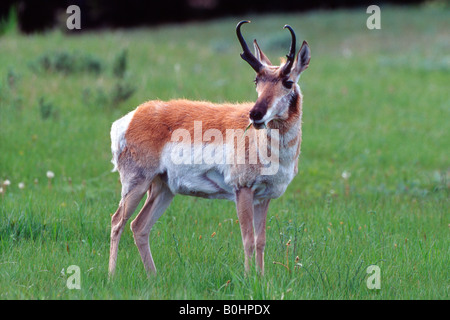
[276,85]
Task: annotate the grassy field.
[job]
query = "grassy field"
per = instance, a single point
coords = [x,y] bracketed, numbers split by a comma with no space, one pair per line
[373,182]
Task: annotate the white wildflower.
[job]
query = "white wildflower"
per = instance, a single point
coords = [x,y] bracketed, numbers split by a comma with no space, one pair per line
[346,174]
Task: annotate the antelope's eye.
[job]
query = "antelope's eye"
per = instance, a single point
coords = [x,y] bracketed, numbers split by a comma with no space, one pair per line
[288,84]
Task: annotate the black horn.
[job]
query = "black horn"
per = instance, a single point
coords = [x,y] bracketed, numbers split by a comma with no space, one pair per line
[291,56]
[247,55]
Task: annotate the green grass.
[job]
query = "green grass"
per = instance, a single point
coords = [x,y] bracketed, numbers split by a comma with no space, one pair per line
[376,105]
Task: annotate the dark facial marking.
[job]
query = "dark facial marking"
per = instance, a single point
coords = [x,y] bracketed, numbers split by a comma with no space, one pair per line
[293,103]
[259,109]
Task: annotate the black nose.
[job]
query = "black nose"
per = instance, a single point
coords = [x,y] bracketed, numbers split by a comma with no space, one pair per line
[256,115]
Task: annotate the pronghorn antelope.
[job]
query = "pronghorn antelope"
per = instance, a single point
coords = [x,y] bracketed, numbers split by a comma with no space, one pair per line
[151,158]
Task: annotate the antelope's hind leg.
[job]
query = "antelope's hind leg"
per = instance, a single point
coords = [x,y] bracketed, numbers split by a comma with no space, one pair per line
[158,199]
[134,188]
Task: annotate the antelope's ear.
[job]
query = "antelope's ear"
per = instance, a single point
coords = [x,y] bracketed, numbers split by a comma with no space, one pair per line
[302,60]
[260,55]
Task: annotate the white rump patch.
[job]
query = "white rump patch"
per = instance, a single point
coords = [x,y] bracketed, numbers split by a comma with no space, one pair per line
[118,141]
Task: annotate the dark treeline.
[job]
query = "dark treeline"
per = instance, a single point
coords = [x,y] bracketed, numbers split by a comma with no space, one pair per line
[38,15]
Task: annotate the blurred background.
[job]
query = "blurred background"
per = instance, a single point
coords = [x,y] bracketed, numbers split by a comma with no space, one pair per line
[35,16]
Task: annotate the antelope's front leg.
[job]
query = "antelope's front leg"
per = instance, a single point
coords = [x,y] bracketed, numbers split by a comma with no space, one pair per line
[244,207]
[259,221]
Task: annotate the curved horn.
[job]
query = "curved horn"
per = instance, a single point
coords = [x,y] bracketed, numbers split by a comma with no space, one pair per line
[247,55]
[290,57]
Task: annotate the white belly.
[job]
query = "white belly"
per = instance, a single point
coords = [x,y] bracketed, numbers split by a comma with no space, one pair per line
[214,181]
[199,181]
